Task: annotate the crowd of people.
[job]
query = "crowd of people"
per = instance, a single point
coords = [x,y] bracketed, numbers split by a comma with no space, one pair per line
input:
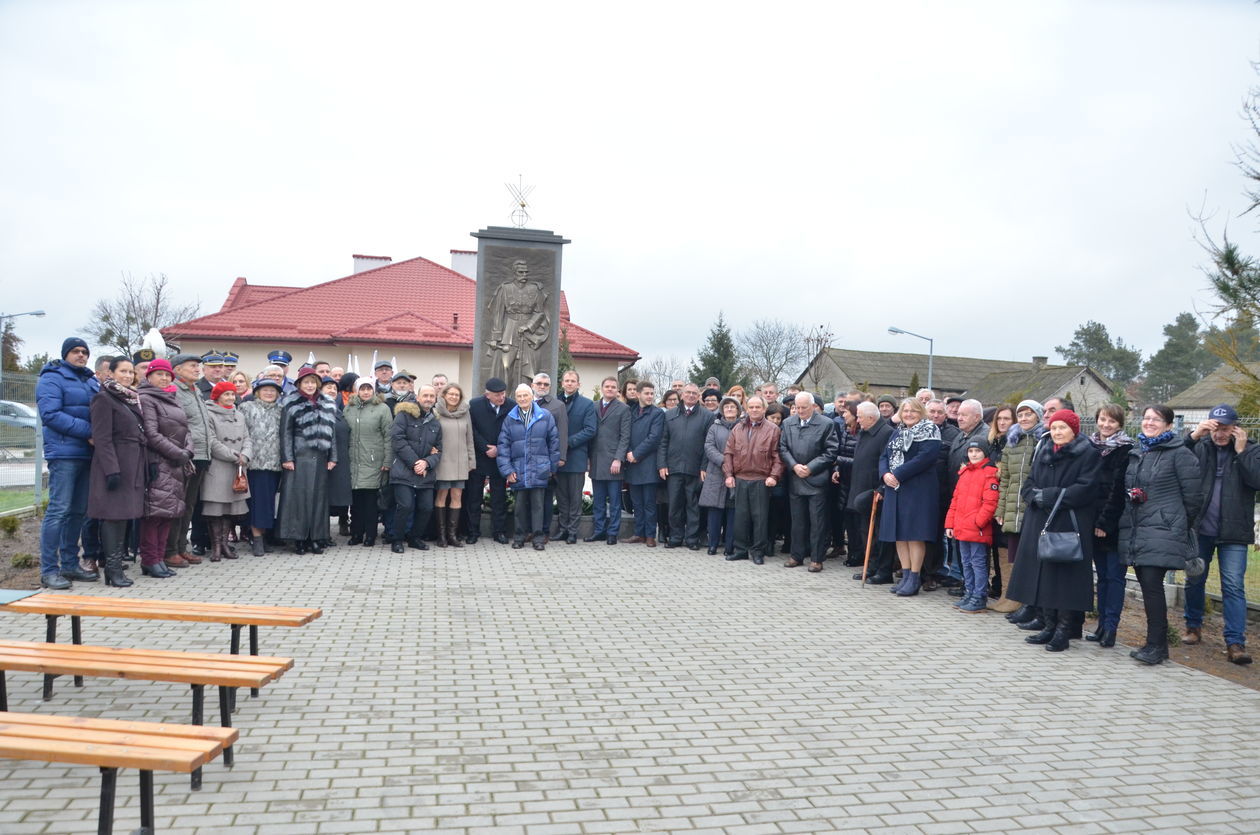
[1011,508]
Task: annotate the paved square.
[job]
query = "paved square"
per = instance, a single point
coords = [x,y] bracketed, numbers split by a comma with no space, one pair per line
[619,689]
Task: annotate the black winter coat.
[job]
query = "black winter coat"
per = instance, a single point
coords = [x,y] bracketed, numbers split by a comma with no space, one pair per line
[1111,496]
[682,444]
[170,451]
[1238,488]
[869,445]
[486,426]
[413,437]
[1160,530]
[1072,471]
[119,449]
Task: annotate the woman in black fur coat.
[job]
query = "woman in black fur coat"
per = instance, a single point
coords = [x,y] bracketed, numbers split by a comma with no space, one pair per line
[307,454]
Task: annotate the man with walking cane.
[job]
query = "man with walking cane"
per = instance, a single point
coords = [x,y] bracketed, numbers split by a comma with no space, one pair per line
[873,434]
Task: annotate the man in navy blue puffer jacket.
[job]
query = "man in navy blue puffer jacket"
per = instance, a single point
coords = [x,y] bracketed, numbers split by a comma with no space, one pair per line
[63,394]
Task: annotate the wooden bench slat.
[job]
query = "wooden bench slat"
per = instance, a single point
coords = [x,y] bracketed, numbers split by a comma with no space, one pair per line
[121,607]
[53,733]
[148,759]
[154,655]
[119,725]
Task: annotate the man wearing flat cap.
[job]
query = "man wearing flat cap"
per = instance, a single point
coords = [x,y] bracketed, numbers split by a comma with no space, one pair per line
[384,372]
[401,389]
[487,414]
[1229,465]
[178,555]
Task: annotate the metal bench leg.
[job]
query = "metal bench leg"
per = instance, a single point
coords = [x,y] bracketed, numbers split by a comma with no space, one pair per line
[235,650]
[50,636]
[4,691]
[146,804]
[225,719]
[76,637]
[198,710]
[253,650]
[109,785]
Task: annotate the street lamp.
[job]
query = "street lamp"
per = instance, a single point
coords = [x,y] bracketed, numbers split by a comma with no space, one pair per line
[3,318]
[931,347]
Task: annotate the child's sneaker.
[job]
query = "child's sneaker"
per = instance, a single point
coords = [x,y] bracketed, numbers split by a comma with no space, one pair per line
[958,604]
[973,605]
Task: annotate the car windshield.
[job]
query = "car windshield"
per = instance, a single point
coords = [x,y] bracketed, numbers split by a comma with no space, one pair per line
[18,409]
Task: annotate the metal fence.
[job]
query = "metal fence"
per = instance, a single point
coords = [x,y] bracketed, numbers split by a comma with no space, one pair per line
[23,476]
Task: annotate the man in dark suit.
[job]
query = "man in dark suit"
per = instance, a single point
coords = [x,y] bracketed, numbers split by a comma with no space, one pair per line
[864,482]
[681,459]
[571,476]
[607,451]
[487,414]
[807,446]
[647,424]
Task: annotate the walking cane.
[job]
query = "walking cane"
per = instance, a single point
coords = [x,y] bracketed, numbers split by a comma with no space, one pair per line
[870,534]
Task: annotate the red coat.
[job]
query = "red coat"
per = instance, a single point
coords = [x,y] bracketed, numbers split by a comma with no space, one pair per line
[975,502]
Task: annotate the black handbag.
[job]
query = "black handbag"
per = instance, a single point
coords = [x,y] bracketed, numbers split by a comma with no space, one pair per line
[1060,546]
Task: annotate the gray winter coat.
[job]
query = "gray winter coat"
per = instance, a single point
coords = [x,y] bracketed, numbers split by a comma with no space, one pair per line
[170,451]
[713,489]
[229,439]
[1160,530]
[262,420]
[682,444]
[459,456]
[611,441]
[189,398]
[369,424]
[815,445]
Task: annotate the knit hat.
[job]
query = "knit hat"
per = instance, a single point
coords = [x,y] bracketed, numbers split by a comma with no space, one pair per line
[160,365]
[980,444]
[71,343]
[365,382]
[887,398]
[1069,417]
[1036,407]
[221,387]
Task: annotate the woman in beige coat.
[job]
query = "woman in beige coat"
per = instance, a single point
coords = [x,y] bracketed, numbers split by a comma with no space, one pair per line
[230,452]
[458,459]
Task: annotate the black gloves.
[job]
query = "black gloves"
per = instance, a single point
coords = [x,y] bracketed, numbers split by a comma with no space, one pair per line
[112,481]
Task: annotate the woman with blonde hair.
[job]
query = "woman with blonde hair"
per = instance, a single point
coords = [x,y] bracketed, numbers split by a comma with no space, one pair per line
[907,468]
[458,460]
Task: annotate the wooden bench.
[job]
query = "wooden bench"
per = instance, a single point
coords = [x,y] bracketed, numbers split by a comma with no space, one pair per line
[196,669]
[235,615]
[110,745]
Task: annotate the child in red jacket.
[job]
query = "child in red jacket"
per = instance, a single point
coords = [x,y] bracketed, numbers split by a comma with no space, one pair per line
[970,521]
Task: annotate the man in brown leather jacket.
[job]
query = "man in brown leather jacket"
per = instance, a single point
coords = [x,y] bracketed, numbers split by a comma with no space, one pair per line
[752,466]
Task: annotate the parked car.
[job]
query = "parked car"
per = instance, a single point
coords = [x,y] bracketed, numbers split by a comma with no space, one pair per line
[17,414]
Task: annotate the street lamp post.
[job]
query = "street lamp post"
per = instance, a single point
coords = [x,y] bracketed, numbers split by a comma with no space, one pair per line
[931,348]
[5,317]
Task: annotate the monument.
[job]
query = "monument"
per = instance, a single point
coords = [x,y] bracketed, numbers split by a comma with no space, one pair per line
[517,330]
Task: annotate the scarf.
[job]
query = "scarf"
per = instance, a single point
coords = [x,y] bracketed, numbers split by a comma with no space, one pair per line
[899,445]
[126,395]
[1150,443]
[1106,446]
[1016,432]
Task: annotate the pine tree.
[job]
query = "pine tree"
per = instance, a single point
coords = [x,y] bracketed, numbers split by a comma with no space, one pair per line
[914,384]
[1182,362]
[565,362]
[717,358]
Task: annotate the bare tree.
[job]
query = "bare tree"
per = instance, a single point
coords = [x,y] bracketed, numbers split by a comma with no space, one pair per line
[121,323]
[662,371]
[769,348]
[818,339]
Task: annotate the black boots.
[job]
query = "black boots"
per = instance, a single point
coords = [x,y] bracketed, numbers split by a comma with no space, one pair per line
[1151,654]
[452,522]
[1062,632]
[1047,622]
[440,525]
[113,537]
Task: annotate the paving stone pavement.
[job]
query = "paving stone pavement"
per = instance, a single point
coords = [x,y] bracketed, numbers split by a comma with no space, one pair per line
[591,689]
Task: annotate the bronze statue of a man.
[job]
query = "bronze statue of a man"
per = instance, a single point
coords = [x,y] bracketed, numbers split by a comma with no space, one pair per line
[519,327]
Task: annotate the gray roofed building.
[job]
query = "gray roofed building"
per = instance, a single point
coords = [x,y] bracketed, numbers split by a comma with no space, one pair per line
[836,370]
[1085,388]
[1194,403]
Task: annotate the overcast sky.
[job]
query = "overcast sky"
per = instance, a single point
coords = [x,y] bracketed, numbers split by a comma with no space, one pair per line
[990,174]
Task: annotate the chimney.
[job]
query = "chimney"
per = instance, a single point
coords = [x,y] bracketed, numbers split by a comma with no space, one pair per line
[1039,362]
[464,262]
[454,321]
[370,262]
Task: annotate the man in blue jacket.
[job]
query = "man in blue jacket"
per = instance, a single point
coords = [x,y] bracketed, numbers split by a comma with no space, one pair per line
[572,474]
[528,455]
[63,394]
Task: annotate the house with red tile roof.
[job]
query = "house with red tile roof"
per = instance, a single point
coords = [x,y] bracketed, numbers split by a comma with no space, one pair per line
[418,312]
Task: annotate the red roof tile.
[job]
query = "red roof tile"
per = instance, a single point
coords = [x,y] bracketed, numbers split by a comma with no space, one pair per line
[351,309]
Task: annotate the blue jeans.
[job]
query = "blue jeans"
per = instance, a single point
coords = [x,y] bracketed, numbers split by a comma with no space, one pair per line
[644,497]
[607,521]
[63,520]
[720,518]
[1233,561]
[975,568]
[1111,581]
